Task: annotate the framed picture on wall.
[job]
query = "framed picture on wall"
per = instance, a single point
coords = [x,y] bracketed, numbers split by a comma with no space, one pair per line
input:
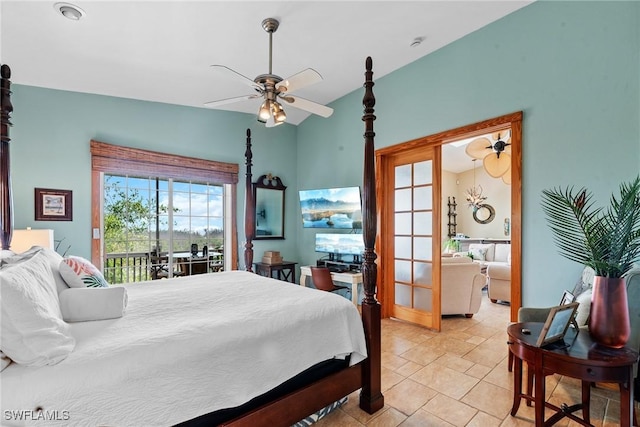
[53,205]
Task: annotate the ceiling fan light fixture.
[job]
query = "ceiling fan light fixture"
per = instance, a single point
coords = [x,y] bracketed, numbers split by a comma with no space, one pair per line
[279,116]
[273,87]
[265,111]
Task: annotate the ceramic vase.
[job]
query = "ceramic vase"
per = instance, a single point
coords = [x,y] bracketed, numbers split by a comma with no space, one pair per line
[609,319]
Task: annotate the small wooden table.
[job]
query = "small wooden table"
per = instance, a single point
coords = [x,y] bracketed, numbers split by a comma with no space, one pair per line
[582,359]
[285,271]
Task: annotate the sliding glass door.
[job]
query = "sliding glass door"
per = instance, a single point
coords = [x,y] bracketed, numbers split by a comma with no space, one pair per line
[160,227]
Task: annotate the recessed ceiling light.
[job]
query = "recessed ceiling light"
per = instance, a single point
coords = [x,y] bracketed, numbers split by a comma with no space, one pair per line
[69,11]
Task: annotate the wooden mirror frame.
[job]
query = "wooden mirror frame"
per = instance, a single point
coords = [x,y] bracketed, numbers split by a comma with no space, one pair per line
[265,185]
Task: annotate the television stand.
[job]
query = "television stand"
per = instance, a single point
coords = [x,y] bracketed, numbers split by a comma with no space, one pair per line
[339,266]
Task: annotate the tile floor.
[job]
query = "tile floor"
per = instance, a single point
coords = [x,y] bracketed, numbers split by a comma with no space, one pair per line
[459,377]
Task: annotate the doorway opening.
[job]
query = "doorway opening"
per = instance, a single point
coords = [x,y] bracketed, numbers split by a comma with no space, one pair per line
[413,230]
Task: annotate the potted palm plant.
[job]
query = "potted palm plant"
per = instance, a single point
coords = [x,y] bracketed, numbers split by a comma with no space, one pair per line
[606,239]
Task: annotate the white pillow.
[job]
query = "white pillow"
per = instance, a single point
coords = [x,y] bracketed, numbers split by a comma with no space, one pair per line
[4,254]
[87,304]
[584,309]
[54,262]
[33,332]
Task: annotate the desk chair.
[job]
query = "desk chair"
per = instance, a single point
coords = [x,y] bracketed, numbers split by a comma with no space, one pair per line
[322,280]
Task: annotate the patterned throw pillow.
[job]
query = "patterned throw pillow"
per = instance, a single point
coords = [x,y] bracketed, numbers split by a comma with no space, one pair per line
[81,273]
[479,254]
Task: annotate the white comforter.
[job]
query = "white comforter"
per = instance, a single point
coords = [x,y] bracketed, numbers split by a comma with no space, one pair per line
[185,347]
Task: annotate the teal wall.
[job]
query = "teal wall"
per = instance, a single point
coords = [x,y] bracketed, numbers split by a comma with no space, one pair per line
[573,68]
[50,148]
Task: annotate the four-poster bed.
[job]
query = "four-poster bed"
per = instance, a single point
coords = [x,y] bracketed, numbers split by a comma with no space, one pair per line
[300,396]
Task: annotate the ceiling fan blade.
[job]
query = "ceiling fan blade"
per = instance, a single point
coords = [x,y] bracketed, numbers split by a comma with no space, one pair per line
[479,148]
[220,102]
[302,79]
[306,105]
[506,178]
[234,75]
[503,134]
[497,166]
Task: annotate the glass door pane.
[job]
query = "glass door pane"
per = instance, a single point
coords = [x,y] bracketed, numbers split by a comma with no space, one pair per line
[157,228]
[413,240]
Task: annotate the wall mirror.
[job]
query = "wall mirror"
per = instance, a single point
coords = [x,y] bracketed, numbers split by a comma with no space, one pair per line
[268,194]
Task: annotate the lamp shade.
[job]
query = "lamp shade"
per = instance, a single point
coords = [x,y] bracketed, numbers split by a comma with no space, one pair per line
[23,240]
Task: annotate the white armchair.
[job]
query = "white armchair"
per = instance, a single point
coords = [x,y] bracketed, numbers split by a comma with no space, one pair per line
[499,282]
[462,286]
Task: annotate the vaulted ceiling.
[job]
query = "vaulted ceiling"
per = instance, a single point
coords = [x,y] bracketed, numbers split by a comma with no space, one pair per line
[162,50]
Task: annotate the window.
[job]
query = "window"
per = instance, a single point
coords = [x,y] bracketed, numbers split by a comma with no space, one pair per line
[154,219]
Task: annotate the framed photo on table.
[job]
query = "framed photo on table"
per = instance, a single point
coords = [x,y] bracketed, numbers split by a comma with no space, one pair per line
[558,321]
[567,298]
[53,205]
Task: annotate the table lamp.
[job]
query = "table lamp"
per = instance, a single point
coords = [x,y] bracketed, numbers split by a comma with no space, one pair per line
[23,240]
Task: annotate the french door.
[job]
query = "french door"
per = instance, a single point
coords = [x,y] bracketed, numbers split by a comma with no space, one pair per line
[411,262]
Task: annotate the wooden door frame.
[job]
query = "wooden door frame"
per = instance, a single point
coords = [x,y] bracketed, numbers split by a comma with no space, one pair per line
[384,244]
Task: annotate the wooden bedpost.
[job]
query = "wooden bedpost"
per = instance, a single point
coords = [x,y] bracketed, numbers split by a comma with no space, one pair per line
[371,398]
[249,208]
[6,198]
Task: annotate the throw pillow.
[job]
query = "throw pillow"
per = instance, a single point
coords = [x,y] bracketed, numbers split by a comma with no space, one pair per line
[584,282]
[479,254]
[584,309]
[33,332]
[87,304]
[82,274]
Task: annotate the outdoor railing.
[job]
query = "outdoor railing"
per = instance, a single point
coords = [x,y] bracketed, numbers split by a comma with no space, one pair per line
[127,267]
[138,266]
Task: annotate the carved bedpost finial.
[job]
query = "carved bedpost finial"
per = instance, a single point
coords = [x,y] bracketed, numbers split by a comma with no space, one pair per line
[6,202]
[369,268]
[371,398]
[6,108]
[249,208]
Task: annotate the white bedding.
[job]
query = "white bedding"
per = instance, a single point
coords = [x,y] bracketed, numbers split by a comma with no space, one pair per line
[186,347]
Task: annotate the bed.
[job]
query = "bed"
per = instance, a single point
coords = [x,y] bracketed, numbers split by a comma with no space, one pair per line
[155,366]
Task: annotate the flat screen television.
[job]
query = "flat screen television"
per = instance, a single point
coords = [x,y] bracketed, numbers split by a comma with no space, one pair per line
[339,208]
[340,244]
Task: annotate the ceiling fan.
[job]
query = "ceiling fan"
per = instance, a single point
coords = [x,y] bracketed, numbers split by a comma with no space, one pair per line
[274,88]
[495,153]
